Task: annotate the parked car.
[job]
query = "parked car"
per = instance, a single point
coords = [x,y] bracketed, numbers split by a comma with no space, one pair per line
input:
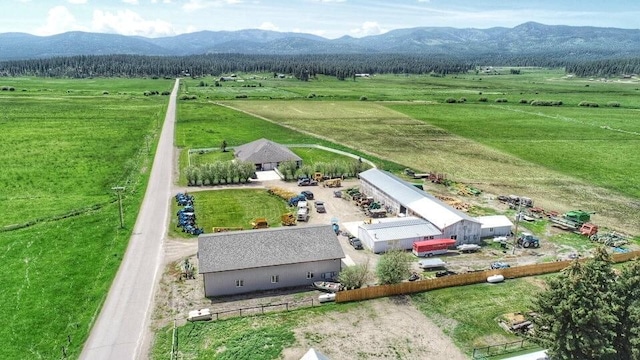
[356,243]
[307,182]
[307,194]
[320,206]
[500,265]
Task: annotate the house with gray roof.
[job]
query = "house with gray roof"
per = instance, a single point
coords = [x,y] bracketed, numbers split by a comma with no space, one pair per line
[404,199]
[266,259]
[265,154]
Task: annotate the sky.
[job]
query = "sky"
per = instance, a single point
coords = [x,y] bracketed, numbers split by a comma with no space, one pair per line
[327,18]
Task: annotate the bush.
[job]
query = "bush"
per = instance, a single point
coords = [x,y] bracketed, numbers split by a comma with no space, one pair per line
[450,100]
[166,93]
[311,96]
[188,97]
[363,98]
[241,96]
[393,267]
[105,93]
[501,100]
[524,101]
[483,99]
[546,103]
[613,104]
[462,100]
[588,104]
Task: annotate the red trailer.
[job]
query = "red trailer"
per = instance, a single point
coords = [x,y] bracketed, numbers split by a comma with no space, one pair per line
[432,247]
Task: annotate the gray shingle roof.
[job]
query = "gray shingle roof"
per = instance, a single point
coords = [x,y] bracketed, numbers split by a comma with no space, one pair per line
[264,151]
[267,247]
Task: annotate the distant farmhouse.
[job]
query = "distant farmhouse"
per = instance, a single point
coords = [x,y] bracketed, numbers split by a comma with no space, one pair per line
[265,154]
[266,259]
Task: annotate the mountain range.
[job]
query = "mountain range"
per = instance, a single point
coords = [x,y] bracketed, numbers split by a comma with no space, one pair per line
[525,39]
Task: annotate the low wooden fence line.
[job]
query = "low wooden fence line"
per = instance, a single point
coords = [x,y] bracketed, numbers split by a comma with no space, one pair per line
[261,309]
[499,349]
[477,277]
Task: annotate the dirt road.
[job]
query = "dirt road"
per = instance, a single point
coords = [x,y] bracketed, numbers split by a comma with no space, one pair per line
[120,331]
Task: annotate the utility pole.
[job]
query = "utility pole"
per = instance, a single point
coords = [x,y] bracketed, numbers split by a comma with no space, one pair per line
[515,234]
[119,190]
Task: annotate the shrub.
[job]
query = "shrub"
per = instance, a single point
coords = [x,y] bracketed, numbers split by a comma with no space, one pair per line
[311,96]
[105,93]
[588,104]
[188,97]
[363,98]
[241,96]
[613,104]
[450,100]
[524,101]
[501,100]
[463,100]
[483,99]
[165,93]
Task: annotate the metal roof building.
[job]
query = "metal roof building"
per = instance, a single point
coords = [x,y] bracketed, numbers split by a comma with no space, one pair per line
[495,225]
[263,259]
[396,233]
[265,154]
[401,197]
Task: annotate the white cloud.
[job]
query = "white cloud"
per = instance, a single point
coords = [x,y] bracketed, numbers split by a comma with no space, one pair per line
[130,2]
[268,26]
[59,20]
[368,28]
[77,2]
[193,5]
[127,22]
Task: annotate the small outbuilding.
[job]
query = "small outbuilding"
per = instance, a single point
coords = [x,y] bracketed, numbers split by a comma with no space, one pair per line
[381,235]
[266,259]
[495,225]
[266,154]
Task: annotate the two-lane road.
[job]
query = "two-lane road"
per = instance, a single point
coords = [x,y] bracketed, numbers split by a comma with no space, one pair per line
[119,331]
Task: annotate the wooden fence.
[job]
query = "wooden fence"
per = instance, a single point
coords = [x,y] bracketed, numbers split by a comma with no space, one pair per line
[477,277]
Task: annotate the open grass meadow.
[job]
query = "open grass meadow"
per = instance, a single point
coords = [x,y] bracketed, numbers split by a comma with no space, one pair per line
[65,144]
[470,314]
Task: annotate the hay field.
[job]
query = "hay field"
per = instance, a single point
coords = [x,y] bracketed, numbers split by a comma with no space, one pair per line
[377,129]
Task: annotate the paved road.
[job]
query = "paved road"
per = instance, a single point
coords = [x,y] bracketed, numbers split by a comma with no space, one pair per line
[120,330]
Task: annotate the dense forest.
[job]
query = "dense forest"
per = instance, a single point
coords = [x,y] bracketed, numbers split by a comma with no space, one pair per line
[301,66]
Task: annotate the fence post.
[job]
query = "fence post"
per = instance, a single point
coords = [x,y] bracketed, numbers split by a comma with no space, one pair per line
[240,310]
[262,306]
[286,306]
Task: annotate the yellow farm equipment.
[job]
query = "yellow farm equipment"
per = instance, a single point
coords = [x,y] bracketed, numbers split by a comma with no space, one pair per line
[332,183]
[218,229]
[288,219]
[260,223]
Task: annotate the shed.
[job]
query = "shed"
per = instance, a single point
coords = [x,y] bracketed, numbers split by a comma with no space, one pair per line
[384,234]
[495,225]
[266,154]
[265,259]
[403,198]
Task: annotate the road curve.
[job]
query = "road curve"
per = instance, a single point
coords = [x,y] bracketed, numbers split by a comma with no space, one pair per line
[119,331]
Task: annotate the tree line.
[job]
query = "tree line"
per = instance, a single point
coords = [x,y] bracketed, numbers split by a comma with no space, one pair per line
[303,67]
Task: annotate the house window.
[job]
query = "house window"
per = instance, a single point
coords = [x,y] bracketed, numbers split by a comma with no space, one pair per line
[490,229]
[309,275]
[239,283]
[275,279]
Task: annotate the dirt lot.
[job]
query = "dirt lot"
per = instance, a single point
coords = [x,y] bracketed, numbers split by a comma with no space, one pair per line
[379,329]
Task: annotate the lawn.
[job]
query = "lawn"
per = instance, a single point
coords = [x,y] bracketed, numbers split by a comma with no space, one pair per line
[468,314]
[233,208]
[251,338]
[65,144]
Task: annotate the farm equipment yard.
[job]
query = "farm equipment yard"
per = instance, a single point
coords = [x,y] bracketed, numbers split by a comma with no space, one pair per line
[554,243]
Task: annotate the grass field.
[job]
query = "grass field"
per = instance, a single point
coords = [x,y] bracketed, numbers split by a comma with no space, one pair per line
[233,208]
[563,157]
[65,144]
[469,314]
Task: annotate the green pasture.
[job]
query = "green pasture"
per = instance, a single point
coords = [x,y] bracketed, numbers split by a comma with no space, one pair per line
[532,83]
[469,314]
[65,144]
[232,208]
[597,145]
